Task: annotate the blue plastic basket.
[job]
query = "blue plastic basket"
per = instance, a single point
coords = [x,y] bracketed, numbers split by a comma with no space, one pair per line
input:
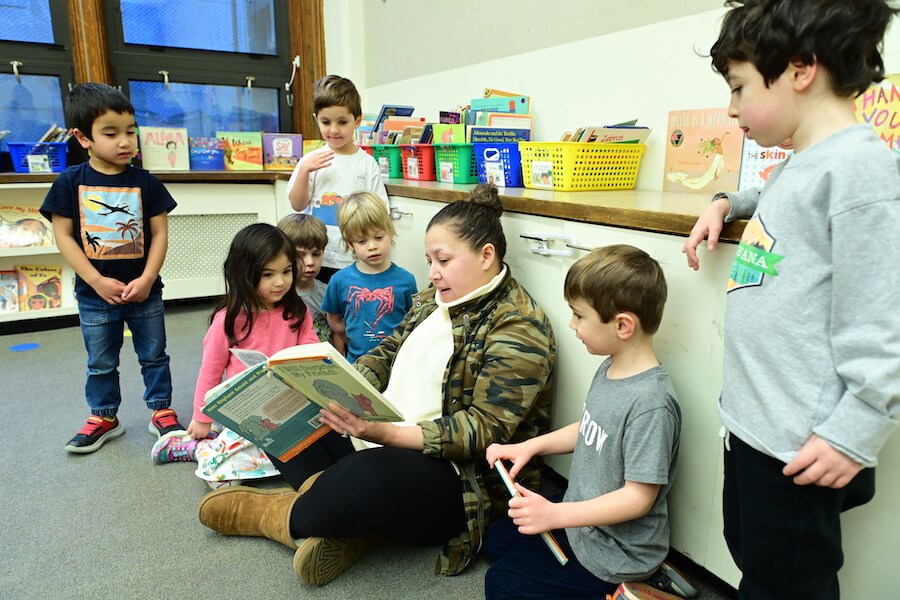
[54,151]
[506,155]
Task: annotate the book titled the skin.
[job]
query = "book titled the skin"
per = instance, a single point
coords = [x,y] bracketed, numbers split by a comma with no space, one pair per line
[703,151]
[275,403]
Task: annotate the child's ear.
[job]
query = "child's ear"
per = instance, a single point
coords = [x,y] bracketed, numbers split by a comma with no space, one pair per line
[82,139]
[626,324]
[357,122]
[802,75]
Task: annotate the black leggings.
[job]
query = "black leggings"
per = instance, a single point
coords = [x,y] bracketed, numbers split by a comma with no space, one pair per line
[395,493]
[329,449]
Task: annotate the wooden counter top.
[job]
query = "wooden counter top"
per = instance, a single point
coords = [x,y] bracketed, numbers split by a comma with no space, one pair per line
[662,212]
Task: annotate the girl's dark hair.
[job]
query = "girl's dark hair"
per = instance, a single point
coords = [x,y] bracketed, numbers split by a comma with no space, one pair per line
[476,219]
[250,250]
[844,36]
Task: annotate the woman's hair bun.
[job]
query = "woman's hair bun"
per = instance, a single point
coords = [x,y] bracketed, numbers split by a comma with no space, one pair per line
[486,195]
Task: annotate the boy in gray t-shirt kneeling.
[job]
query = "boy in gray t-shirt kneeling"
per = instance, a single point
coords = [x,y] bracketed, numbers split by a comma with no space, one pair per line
[613,520]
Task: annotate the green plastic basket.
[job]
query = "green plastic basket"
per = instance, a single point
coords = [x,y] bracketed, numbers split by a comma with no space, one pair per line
[455,163]
[389,160]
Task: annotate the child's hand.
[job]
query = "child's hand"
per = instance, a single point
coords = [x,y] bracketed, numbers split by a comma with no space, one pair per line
[137,290]
[532,512]
[198,430]
[513,453]
[110,290]
[319,160]
[820,463]
[707,227]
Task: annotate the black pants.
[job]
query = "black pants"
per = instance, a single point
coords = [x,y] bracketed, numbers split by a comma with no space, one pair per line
[399,494]
[785,538]
[329,449]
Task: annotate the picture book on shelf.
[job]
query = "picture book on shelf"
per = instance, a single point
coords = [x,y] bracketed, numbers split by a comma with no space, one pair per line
[206,153]
[613,134]
[444,133]
[390,110]
[276,401]
[40,286]
[164,148]
[24,226]
[242,149]
[9,291]
[757,163]
[509,120]
[493,93]
[879,106]
[703,151]
[502,104]
[450,117]
[497,135]
[281,151]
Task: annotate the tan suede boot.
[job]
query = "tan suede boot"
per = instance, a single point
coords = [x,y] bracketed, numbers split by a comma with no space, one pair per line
[243,510]
[322,560]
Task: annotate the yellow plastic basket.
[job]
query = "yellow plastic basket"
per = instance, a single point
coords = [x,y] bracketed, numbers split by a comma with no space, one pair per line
[577,166]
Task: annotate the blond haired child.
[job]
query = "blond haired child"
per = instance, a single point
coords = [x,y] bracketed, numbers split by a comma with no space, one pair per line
[324,177]
[613,520]
[365,301]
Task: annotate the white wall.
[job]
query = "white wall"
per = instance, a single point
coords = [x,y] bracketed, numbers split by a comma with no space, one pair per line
[639,73]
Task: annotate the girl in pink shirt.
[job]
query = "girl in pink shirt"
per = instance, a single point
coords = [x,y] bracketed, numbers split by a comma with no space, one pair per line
[260,311]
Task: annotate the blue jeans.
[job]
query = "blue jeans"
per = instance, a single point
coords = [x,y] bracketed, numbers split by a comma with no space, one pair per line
[522,567]
[103,328]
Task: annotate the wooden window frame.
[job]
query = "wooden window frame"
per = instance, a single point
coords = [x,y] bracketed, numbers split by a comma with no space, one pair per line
[91,56]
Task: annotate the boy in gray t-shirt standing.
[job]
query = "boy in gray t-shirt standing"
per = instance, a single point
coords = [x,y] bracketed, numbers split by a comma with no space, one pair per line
[613,521]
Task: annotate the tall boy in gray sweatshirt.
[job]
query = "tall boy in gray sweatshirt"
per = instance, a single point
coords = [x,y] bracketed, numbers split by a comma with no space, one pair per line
[811,386]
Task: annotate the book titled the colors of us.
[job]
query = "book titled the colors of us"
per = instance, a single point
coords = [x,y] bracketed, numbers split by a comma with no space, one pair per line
[275,402]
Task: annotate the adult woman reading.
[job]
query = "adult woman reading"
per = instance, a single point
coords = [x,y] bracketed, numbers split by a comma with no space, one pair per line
[471,365]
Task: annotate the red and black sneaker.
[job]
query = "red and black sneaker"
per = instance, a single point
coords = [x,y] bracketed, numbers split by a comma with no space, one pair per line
[96,432]
[164,421]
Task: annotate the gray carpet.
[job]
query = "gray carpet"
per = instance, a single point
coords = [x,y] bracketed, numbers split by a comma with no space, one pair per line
[112,525]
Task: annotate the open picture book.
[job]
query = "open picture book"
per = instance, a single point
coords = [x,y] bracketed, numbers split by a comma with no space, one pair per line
[275,402]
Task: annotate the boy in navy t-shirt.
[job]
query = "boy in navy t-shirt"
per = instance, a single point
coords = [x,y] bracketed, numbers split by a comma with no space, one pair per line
[110,223]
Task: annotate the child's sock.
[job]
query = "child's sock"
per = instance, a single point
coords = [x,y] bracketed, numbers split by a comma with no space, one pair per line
[174,447]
